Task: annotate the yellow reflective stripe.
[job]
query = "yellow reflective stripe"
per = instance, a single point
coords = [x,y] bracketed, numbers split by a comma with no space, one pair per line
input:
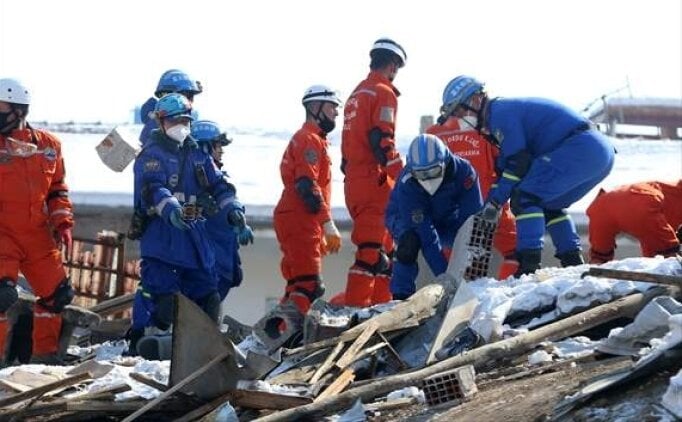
[530,215]
[557,220]
[510,177]
[145,294]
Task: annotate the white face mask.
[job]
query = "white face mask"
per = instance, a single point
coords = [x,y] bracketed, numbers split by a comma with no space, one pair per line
[431,185]
[468,122]
[178,133]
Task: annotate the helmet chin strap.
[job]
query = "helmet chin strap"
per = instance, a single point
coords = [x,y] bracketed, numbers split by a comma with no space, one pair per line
[10,126]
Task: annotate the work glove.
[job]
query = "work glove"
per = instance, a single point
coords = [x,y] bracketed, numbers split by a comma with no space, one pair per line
[490,212]
[332,237]
[177,221]
[244,232]
[63,237]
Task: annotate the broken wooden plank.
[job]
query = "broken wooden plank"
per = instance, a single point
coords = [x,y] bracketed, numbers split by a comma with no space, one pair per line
[262,400]
[177,387]
[626,306]
[668,280]
[57,405]
[114,305]
[96,369]
[22,380]
[384,406]
[204,409]
[148,381]
[394,353]
[66,382]
[358,344]
[340,383]
[407,313]
[327,364]
[364,353]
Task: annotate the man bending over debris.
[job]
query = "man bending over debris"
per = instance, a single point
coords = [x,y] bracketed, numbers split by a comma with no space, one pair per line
[434,194]
[649,211]
[550,157]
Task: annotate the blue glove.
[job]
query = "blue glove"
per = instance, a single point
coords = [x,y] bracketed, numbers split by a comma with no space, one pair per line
[177,221]
[490,212]
[236,218]
[244,234]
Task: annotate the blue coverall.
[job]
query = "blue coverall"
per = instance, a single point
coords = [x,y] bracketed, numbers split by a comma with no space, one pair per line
[418,220]
[550,157]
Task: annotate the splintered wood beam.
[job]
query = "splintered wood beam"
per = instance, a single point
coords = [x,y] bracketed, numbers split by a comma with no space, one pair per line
[669,280]
[148,381]
[340,383]
[327,364]
[43,389]
[348,357]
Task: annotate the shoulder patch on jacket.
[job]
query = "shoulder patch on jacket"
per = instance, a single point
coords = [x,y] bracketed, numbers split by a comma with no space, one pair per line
[152,165]
[387,114]
[50,153]
[310,156]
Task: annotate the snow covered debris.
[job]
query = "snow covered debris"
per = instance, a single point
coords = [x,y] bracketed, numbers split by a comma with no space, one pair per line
[407,392]
[539,357]
[672,399]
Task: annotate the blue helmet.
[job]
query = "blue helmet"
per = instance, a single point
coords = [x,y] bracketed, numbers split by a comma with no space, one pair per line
[175,80]
[173,105]
[209,132]
[426,157]
[458,91]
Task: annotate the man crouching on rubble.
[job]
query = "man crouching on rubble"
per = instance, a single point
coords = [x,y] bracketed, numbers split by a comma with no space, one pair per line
[36,221]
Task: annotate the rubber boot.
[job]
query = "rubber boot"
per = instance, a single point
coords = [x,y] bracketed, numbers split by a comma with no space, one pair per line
[570,258]
[651,322]
[529,261]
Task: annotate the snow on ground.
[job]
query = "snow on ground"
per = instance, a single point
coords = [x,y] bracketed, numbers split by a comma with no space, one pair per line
[562,286]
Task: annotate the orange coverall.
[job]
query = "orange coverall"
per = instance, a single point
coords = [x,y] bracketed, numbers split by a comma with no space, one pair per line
[371,163]
[648,211]
[33,202]
[299,231]
[465,141]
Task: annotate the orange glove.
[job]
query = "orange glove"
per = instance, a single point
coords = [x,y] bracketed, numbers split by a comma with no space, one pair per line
[332,237]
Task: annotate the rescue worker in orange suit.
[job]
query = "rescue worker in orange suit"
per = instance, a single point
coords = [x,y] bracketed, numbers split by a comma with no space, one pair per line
[649,211]
[371,163]
[462,139]
[37,220]
[302,218]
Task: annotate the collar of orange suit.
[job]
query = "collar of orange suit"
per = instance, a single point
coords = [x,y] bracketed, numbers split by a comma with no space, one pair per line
[312,127]
[24,135]
[376,76]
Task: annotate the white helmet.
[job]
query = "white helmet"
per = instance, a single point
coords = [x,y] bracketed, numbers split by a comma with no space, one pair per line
[392,46]
[321,93]
[13,91]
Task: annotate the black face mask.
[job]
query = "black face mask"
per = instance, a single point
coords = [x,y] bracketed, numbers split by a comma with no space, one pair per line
[326,124]
[5,126]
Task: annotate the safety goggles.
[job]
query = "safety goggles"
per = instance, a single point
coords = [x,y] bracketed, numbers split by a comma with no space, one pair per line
[222,139]
[433,172]
[179,119]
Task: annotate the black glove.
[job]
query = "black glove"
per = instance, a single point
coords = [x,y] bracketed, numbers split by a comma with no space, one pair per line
[679,234]
[490,212]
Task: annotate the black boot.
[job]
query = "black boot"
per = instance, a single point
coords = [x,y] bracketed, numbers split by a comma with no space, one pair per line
[529,261]
[570,258]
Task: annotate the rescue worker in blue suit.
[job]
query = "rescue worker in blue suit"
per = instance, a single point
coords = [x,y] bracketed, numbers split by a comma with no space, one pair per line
[172,80]
[212,140]
[550,157]
[433,196]
[171,172]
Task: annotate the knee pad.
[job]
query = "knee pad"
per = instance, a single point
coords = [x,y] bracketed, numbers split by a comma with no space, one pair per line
[521,200]
[163,312]
[375,260]
[408,247]
[8,294]
[62,296]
